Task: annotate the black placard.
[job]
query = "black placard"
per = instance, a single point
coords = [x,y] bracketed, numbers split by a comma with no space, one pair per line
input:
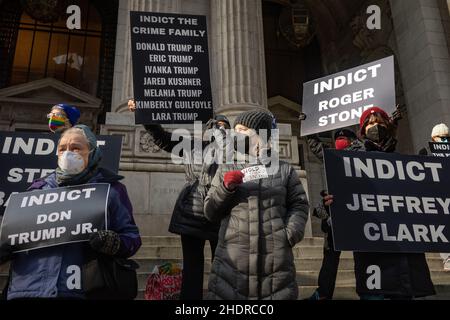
[44,218]
[440,149]
[402,201]
[170,68]
[25,157]
[338,100]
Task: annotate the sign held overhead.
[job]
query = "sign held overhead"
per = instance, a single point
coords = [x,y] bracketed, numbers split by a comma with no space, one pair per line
[338,101]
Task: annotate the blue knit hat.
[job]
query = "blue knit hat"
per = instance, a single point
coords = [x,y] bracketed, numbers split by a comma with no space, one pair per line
[73,114]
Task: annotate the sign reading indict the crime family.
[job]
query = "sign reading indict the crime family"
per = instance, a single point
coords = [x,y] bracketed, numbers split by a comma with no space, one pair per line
[440,149]
[338,101]
[388,202]
[25,157]
[170,68]
[50,217]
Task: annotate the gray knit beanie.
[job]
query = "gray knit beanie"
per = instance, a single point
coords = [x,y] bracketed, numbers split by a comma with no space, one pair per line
[256,120]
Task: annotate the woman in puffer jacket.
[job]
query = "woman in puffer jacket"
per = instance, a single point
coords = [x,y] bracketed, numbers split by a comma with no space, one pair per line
[261,221]
[56,272]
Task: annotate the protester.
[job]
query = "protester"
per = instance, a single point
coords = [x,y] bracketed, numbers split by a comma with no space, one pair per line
[403,275]
[343,139]
[440,133]
[45,272]
[261,221]
[62,116]
[188,218]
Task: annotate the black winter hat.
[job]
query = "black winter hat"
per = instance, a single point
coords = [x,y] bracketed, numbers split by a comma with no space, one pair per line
[345,133]
[256,120]
[221,117]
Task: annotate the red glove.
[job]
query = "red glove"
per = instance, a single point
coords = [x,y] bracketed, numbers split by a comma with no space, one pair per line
[232,178]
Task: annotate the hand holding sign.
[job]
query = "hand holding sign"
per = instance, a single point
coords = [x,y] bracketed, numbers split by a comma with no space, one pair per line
[328,200]
[232,178]
[105,241]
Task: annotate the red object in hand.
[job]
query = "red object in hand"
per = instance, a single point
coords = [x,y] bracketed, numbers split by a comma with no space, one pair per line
[232,178]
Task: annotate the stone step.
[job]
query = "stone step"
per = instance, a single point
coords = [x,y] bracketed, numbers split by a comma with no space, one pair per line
[147,264]
[175,252]
[346,293]
[299,251]
[309,278]
[176,241]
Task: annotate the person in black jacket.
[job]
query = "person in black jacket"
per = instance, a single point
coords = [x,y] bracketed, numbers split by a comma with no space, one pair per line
[403,275]
[327,276]
[188,219]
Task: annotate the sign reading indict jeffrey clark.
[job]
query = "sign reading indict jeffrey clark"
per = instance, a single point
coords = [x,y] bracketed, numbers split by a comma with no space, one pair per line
[387,202]
[170,68]
[50,217]
[338,101]
[26,156]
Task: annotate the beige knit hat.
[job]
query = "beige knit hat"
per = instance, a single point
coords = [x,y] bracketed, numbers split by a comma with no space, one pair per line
[440,130]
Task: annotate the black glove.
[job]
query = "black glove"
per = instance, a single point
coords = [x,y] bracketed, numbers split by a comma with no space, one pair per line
[105,241]
[6,253]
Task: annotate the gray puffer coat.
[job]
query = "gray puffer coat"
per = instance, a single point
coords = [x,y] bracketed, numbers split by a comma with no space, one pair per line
[260,223]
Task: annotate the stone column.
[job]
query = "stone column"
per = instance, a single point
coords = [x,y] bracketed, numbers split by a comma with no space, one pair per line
[123,71]
[237,56]
[424,63]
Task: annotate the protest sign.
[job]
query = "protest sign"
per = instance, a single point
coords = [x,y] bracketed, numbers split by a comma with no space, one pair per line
[385,202]
[26,156]
[254,173]
[170,68]
[440,149]
[44,218]
[338,100]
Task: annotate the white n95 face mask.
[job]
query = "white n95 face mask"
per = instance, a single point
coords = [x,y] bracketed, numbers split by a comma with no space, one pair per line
[71,162]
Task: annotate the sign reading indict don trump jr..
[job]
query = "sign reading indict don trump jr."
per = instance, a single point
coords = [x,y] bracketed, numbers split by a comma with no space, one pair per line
[44,218]
[338,100]
[387,202]
[170,68]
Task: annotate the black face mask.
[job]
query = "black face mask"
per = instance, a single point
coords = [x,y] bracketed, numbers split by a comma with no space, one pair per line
[377,133]
[242,140]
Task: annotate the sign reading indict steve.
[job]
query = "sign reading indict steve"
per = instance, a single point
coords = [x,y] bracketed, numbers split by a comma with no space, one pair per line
[388,202]
[50,217]
[170,68]
[338,101]
[26,156]
[440,149]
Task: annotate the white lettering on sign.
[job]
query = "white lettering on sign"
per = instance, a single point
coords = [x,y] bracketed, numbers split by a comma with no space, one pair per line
[378,203]
[54,216]
[29,201]
[36,236]
[30,174]
[40,147]
[254,173]
[341,81]
[413,233]
[385,169]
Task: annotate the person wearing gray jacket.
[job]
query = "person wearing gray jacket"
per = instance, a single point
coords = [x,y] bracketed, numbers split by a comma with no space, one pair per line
[261,221]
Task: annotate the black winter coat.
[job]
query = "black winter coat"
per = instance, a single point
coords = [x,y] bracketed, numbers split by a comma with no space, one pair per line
[261,221]
[187,216]
[402,274]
